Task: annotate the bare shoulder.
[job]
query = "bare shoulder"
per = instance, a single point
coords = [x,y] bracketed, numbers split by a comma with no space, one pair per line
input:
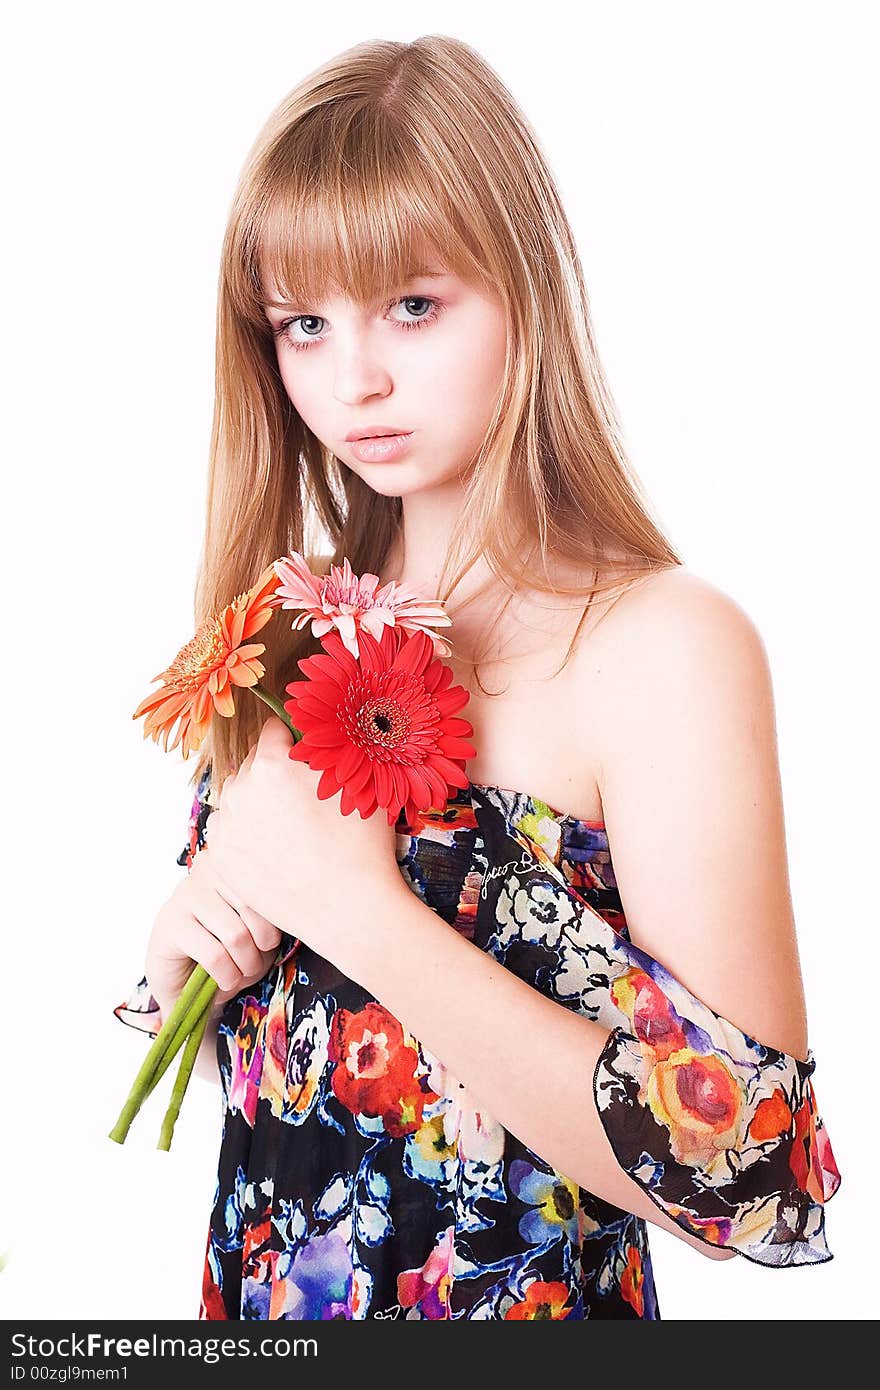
[673,631]
[674,604]
[677,658]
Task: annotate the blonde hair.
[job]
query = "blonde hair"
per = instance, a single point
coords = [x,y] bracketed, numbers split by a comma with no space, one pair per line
[385,158]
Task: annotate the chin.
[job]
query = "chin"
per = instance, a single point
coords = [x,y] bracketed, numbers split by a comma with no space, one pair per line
[393,487]
[402,478]
[399,479]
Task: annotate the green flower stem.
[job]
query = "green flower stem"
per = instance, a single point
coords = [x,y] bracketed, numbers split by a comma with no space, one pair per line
[194,998]
[187,1062]
[276,706]
[182,1033]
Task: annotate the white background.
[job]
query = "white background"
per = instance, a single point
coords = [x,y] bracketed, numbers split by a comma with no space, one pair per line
[717,163]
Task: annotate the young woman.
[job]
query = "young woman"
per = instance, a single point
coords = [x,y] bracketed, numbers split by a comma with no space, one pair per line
[493,1057]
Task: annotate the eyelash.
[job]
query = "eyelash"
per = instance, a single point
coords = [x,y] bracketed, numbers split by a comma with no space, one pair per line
[431,317]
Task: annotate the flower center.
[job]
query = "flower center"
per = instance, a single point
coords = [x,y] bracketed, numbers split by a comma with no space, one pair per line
[382,721]
[202,653]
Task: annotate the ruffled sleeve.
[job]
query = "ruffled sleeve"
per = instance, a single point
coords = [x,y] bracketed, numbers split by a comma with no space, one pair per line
[140,1010]
[720,1130]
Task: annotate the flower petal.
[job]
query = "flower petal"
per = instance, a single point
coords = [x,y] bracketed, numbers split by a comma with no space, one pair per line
[414,653]
[384,786]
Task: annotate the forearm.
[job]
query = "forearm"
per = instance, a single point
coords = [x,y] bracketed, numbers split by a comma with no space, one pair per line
[526,1060]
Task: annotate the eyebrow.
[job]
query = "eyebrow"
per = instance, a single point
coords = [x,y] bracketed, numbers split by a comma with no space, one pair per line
[416,275]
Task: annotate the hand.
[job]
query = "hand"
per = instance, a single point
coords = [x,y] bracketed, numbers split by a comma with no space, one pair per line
[205,923]
[298,860]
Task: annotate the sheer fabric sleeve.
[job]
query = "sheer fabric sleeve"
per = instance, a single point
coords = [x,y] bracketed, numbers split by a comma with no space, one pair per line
[720,1130]
[140,1010]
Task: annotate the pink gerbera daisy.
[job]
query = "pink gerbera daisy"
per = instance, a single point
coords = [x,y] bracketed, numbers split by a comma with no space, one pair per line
[354,604]
[381,728]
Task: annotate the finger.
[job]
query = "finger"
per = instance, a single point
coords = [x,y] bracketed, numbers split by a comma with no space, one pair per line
[233,938]
[208,951]
[265,934]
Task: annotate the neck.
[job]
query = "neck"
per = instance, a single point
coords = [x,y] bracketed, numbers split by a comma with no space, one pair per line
[418,557]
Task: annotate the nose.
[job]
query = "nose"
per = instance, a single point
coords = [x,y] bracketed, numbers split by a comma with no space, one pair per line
[359,371]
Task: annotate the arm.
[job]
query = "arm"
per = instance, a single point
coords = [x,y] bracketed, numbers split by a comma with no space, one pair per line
[691,793]
[693,807]
[482,1021]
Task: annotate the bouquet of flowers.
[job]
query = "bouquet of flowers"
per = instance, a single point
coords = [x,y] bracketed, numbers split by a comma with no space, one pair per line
[376,714]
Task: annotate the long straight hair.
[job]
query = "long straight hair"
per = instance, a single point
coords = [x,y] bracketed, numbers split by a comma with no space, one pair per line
[385,158]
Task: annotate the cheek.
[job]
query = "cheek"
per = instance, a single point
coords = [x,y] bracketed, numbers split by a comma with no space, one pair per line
[488,370]
[471,374]
[292,385]
[302,389]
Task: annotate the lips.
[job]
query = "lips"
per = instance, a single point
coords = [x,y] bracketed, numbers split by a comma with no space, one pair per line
[373,432]
[380,448]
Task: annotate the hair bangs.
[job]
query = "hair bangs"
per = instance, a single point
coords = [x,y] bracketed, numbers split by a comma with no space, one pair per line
[360,224]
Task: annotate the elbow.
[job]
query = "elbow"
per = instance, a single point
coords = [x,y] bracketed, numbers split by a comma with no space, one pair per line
[666,1222]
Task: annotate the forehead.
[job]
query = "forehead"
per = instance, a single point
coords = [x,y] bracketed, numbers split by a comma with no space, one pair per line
[275,297]
[311,255]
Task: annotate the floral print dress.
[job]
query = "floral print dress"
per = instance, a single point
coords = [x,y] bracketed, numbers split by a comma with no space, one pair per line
[356,1179]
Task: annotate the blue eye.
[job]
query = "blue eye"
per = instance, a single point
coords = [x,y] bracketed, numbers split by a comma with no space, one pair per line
[420,321]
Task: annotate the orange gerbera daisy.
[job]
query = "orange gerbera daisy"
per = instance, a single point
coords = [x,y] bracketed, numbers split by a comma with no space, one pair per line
[199,681]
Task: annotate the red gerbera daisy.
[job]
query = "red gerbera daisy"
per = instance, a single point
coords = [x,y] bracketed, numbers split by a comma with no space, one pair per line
[381,728]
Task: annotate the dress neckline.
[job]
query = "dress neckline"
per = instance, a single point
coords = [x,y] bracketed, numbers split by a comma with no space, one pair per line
[508,793]
[504,793]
